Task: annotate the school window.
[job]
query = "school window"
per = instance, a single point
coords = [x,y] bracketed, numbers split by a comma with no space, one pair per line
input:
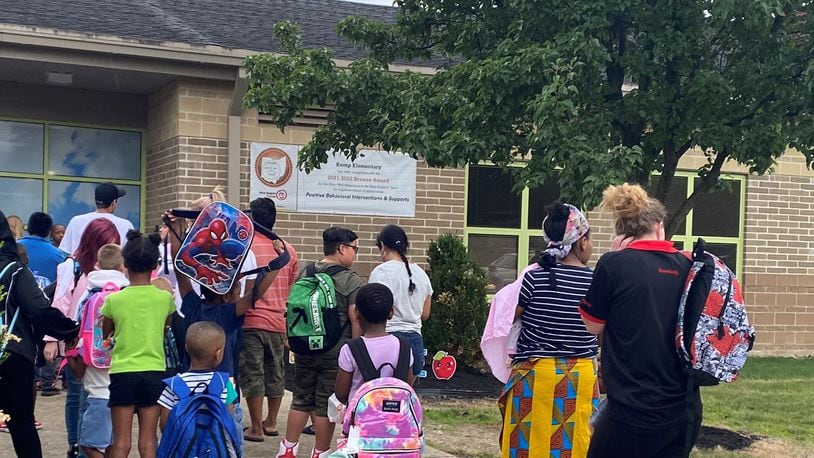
[717,217]
[503,228]
[54,167]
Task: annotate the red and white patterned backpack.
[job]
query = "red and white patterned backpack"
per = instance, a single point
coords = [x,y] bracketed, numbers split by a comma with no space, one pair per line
[713,334]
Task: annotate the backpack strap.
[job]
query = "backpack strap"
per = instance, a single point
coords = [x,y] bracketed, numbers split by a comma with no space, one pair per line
[311,269]
[178,386]
[216,385]
[334,269]
[360,354]
[402,370]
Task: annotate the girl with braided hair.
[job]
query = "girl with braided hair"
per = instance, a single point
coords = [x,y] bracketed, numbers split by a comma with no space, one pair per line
[411,288]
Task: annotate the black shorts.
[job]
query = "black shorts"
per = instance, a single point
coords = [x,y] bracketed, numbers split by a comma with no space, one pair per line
[140,389]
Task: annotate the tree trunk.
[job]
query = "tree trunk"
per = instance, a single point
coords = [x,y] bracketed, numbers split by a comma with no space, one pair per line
[707,183]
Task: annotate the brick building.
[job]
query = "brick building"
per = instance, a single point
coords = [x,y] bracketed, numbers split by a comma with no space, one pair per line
[149,95]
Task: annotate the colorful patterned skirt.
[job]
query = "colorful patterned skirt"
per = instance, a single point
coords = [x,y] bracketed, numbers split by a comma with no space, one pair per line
[546,406]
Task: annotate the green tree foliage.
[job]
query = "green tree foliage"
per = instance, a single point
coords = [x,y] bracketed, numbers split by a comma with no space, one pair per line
[588,92]
[459,306]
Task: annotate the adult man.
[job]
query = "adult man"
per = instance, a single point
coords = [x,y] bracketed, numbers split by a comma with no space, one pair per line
[43,256]
[262,357]
[57,234]
[107,197]
[316,373]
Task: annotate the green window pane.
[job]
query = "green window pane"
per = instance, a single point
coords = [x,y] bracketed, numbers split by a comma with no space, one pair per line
[718,213]
[20,196]
[491,202]
[497,254]
[676,196]
[67,199]
[21,147]
[728,252]
[539,198]
[96,153]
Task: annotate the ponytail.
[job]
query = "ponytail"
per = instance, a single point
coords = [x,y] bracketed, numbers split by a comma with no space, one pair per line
[395,238]
[548,261]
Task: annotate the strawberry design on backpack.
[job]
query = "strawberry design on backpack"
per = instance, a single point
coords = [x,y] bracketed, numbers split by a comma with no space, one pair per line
[713,334]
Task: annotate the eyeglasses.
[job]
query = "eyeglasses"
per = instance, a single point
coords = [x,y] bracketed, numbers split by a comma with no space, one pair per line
[355,247]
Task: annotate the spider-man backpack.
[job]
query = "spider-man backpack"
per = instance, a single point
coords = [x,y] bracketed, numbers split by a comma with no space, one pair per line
[713,334]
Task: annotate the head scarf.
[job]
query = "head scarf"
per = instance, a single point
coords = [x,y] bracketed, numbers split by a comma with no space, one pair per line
[575,228]
[8,246]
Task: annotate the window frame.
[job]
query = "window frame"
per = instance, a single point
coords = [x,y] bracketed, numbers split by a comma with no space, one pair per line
[45,176]
[688,238]
[524,233]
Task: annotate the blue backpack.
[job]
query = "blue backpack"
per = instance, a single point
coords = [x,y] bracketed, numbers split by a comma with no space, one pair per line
[199,426]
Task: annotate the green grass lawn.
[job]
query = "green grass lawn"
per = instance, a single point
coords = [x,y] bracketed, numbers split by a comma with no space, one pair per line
[774,398]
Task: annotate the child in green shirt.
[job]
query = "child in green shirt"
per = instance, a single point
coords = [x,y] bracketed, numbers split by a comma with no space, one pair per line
[137,317]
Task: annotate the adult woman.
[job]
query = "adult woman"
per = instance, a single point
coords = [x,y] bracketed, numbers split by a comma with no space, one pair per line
[35,317]
[555,353]
[633,301]
[72,283]
[411,288]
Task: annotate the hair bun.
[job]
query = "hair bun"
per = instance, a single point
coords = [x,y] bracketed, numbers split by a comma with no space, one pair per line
[625,200]
[557,211]
[133,234]
[155,238]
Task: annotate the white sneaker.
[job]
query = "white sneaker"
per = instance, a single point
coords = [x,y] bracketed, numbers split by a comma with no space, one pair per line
[315,454]
[288,452]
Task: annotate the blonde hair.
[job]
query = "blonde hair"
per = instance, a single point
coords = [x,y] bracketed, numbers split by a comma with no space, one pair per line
[109,257]
[162,284]
[216,195]
[16,225]
[634,212]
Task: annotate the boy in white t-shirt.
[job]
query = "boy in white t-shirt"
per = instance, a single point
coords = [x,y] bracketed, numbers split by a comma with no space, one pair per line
[96,432]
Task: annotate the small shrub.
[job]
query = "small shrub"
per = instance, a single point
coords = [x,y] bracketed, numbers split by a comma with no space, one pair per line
[459,307]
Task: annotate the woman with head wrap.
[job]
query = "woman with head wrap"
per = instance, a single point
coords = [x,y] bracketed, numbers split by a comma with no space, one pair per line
[552,391]
[36,317]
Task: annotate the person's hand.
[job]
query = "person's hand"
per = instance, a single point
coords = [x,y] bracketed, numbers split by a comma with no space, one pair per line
[282,256]
[50,351]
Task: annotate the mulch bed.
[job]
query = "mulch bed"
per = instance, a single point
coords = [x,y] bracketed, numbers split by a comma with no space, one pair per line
[712,437]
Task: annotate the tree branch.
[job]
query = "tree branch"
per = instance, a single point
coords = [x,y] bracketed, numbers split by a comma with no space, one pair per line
[706,184]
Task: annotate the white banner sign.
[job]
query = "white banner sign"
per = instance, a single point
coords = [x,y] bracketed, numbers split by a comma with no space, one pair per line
[377,183]
[274,174]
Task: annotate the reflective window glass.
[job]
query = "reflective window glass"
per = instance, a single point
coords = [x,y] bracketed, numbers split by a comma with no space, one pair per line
[718,213]
[728,252]
[21,147]
[675,197]
[97,153]
[539,198]
[491,202]
[20,196]
[67,199]
[497,254]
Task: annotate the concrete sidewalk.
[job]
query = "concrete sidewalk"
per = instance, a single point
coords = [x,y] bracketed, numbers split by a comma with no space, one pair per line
[50,411]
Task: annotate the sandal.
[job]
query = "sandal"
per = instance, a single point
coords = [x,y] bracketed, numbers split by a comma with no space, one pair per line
[269,433]
[249,438]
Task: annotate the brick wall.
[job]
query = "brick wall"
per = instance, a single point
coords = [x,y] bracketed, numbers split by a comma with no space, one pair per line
[779,262]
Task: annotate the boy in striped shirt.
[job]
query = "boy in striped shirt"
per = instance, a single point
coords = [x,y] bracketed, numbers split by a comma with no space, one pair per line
[204,344]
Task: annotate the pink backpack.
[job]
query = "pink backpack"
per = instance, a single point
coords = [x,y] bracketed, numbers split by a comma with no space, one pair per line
[383,419]
[95,350]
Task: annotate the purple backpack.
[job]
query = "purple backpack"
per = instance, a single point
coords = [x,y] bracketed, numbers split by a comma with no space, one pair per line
[383,418]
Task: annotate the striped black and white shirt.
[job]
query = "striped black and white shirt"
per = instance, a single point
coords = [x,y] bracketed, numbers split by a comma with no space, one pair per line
[551,324]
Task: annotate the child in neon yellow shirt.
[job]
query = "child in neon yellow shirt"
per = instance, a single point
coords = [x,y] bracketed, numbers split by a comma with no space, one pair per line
[137,317]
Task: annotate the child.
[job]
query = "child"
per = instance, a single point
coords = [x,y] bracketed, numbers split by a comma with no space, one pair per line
[374,306]
[226,310]
[205,347]
[137,317]
[97,431]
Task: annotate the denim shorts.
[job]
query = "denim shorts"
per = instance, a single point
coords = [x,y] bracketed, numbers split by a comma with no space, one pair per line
[417,345]
[97,427]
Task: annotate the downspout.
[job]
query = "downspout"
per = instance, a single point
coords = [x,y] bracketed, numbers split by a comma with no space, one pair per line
[233,138]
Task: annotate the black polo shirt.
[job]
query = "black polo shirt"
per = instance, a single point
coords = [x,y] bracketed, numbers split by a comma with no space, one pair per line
[635,293]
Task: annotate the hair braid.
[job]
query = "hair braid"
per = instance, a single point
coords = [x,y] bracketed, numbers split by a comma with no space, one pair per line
[411,288]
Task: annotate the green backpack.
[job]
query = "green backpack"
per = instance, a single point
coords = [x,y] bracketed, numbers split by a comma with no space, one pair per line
[312,314]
